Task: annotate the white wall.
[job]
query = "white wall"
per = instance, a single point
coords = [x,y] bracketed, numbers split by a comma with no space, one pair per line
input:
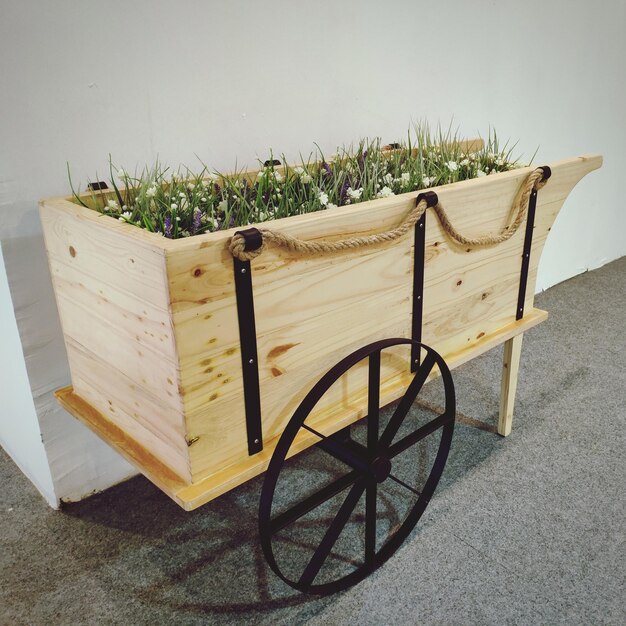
[19,429]
[229,80]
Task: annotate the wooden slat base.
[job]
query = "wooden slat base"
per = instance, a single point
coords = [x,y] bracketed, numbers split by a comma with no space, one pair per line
[191,496]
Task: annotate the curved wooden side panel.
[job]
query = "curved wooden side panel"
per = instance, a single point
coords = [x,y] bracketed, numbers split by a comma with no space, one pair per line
[471,292]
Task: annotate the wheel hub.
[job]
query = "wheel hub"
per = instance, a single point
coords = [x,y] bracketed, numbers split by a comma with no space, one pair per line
[381,468]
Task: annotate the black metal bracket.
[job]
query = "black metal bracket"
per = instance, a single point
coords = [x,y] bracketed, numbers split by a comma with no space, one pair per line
[247,339]
[528,240]
[271,162]
[418,277]
[98,185]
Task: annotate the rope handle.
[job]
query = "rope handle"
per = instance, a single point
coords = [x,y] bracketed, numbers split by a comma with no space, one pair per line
[247,245]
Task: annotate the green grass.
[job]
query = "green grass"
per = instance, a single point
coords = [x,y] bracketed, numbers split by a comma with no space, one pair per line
[181,203]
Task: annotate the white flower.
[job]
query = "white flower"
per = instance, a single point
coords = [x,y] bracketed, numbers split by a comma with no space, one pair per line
[191,186]
[181,195]
[121,173]
[323,198]
[305,178]
[203,199]
[214,224]
[298,171]
[480,173]
[212,177]
[388,178]
[385,192]
[464,162]
[111,206]
[151,191]
[125,217]
[331,206]
[453,166]
[278,177]
[185,233]
[427,181]
[355,194]
[178,218]
[223,205]
[174,206]
[405,178]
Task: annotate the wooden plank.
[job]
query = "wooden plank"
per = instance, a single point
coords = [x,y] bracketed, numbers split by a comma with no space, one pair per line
[112,295]
[510,370]
[141,457]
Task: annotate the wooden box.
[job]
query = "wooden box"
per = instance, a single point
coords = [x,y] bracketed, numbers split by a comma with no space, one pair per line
[152,336]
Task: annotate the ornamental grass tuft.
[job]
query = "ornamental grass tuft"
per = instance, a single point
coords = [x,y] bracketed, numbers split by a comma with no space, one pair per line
[182,203]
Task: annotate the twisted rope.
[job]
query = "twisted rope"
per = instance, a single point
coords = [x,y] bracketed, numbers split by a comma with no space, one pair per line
[534,181]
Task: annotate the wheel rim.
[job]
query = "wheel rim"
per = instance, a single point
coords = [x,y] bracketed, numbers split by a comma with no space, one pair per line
[371,465]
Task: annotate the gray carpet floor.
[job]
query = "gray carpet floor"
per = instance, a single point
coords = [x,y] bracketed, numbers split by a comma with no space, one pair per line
[523,530]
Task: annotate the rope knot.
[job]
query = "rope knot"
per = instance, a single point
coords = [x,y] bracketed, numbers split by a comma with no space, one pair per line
[247,244]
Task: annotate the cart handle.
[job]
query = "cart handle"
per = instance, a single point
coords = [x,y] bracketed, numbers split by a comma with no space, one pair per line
[247,244]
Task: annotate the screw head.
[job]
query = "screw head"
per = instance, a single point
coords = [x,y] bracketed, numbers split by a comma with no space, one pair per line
[416,361]
[251,361]
[243,270]
[256,441]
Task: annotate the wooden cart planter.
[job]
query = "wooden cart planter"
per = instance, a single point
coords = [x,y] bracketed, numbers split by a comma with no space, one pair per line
[158,359]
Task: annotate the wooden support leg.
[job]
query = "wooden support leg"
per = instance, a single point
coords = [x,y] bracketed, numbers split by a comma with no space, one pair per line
[510,369]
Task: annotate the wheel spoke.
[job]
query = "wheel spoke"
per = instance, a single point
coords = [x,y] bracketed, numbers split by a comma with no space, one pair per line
[332,534]
[407,400]
[401,482]
[373,404]
[340,451]
[310,502]
[370,522]
[418,435]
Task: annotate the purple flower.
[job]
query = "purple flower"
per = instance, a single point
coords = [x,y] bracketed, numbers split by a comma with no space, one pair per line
[197,216]
[326,168]
[168,226]
[343,196]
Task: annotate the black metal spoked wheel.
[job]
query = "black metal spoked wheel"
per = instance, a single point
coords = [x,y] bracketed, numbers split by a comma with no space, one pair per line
[370,465]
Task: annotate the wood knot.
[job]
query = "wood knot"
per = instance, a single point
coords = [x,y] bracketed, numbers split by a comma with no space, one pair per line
[197,272]
[72,251]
